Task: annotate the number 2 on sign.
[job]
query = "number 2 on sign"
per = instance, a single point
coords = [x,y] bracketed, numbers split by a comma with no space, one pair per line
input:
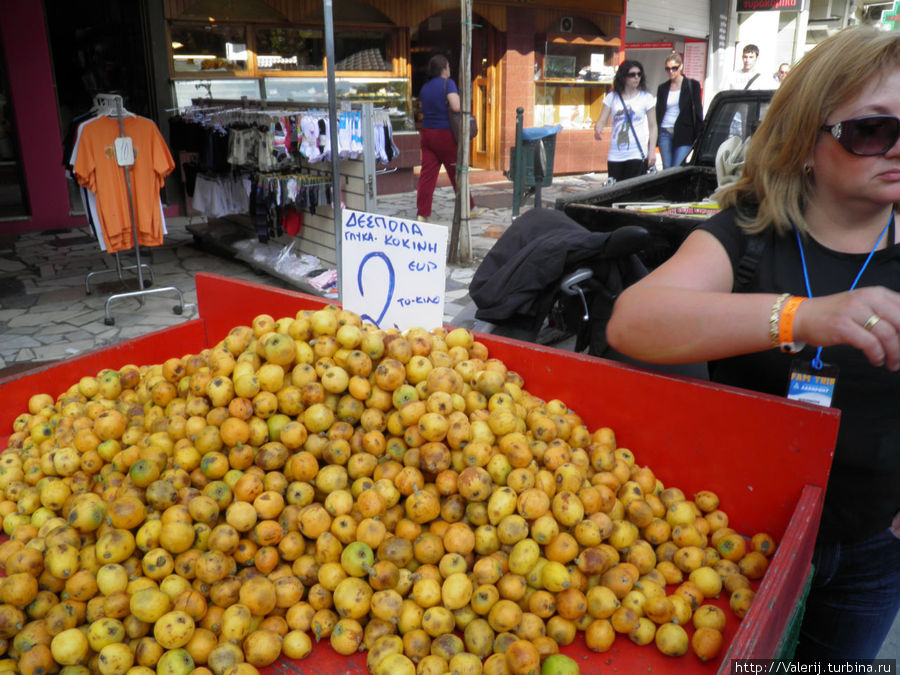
[390,286]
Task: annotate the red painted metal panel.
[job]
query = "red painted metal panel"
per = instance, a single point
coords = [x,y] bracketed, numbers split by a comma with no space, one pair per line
[767,458]
[224,303]
[783,586]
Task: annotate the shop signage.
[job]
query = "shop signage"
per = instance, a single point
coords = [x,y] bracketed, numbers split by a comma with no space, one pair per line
[393,270]
[695,59]
[764,5]
[650,45]
[891,16]
[719,22]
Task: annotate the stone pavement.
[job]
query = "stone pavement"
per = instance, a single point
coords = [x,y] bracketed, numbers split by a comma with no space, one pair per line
[46,314]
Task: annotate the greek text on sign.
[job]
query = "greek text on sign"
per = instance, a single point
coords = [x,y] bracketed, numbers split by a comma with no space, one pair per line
[393,270]
[762,5]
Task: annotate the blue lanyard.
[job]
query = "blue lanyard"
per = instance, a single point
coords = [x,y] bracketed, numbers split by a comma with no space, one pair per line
[817,359]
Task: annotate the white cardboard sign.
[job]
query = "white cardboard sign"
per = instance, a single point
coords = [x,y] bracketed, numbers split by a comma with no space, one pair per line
[393,270]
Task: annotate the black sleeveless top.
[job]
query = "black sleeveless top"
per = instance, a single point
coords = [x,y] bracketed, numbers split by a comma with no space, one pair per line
[863,492]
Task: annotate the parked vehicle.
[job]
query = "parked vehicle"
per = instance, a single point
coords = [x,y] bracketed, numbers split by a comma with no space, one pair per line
[554,275]
[669,203]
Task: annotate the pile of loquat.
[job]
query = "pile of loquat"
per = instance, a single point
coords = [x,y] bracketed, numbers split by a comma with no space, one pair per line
[316,478]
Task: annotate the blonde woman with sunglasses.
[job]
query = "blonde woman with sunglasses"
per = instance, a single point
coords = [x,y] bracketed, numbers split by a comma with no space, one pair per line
[819,191]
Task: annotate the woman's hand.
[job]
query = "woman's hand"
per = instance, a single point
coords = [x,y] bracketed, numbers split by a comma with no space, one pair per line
[600,124]
[866,318]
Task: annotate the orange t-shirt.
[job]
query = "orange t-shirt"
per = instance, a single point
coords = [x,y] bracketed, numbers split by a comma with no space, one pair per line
[97,169]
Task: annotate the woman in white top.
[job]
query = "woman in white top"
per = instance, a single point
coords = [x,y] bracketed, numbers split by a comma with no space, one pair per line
[633,137]
[679,112]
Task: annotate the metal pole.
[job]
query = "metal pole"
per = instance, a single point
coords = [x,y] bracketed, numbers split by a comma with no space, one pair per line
[462,167]
[134,231]
[518,166]
[332,125]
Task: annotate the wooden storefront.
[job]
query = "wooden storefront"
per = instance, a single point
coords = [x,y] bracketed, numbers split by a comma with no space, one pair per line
[552,58]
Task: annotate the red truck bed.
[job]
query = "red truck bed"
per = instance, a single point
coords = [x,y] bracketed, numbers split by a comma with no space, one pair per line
[767,458]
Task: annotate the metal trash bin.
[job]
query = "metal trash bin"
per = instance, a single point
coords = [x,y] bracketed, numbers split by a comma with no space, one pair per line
[531,161]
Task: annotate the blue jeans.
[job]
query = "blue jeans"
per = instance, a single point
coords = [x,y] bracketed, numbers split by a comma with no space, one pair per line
[853,599]
[671,156]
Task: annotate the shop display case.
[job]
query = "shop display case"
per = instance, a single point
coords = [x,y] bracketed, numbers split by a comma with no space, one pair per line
[766,457]
[572,75]
[233,89]
[219,48]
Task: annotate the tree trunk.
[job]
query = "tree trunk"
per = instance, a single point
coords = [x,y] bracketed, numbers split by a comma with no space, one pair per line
[460,249]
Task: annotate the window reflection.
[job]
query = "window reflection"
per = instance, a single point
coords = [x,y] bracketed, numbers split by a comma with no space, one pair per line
[210,48]
[223,48]
[361,50]
[289,49]
[188,90]
[389,93]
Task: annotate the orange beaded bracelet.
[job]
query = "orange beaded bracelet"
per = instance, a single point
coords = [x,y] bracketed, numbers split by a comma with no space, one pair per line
[786,326]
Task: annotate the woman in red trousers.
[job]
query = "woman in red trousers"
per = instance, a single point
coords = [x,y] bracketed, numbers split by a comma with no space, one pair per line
[438,97]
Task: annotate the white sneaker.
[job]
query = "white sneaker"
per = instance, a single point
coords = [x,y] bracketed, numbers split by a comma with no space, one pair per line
[423,219]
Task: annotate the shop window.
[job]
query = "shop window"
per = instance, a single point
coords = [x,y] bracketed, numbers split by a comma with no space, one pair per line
[390,93]
[289,49]
[231,10]
[212,48]
[301,49]
[188,90]
[350,11]
[361,50]
[832,10]
[573,72]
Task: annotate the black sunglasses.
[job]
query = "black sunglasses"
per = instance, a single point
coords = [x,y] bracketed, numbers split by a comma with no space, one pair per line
[672,69]
[637,74]
[866,136]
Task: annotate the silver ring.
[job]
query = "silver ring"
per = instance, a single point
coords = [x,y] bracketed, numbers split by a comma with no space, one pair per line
[871,321]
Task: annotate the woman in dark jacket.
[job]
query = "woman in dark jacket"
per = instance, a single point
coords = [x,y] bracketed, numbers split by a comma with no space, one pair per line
[679,113]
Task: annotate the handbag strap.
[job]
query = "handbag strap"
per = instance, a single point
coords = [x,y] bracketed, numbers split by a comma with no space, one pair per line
[693,108]
[630,125]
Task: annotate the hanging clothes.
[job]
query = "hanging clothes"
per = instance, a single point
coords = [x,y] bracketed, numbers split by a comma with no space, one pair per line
[276,140]
[88,198]
[97,169]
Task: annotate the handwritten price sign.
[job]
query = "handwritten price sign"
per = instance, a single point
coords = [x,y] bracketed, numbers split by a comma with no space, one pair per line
[393,270]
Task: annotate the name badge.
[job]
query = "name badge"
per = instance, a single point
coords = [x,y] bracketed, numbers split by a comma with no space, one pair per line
[812,385]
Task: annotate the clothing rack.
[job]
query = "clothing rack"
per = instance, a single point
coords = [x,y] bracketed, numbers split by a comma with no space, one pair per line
[243,106]
[111,104]
[106,104]
[353,180]
[304,175]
